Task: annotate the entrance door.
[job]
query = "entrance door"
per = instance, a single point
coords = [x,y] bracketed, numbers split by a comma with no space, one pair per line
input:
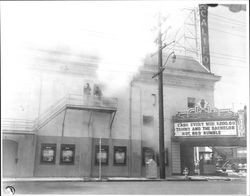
[187,158]
[9,158]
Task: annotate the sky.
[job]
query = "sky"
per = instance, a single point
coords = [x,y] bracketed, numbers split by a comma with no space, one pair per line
[121,33]
[229,39]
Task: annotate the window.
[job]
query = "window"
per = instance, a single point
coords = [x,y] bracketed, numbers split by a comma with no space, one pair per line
[48,153]
[148,120]
[120,155]
[67,154]
[191,102]
[103,155]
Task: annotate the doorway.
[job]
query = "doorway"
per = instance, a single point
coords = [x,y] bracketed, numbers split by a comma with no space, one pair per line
[10,158]
[187,158]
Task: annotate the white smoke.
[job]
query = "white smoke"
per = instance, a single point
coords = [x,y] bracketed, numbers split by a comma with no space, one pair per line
[120,32]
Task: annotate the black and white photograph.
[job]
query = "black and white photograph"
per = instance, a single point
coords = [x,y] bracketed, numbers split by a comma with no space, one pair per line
[125,97]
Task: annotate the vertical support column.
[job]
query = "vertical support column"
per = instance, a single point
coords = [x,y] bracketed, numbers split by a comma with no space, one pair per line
[176,158]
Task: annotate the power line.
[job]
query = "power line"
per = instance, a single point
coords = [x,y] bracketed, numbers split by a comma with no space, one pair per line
[138,68]
[229,27]
[225,18]
[229,55]
[227,58]
[215,29]
[117,71]
[229,66]
[102,70]
[215,20]
[228,23]
[194,51]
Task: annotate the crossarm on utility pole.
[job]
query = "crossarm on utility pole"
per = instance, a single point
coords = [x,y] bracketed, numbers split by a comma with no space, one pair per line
[164,66]
[162,69]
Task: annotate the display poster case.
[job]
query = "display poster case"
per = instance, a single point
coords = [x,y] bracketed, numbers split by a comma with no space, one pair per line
[67,154]
[120,153]
[48,153]
[101,154]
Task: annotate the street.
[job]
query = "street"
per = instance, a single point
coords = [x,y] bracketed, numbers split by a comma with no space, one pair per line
[134,187]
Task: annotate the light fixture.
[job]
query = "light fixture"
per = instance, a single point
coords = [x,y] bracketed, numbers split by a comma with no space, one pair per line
[173,58]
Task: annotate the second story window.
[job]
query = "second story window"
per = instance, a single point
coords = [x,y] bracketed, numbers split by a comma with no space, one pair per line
[191,102]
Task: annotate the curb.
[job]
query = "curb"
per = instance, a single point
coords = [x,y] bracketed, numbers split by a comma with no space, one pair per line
[152,180]
[119,179]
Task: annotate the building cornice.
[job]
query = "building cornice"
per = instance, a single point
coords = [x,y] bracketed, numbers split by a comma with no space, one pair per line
[183,78]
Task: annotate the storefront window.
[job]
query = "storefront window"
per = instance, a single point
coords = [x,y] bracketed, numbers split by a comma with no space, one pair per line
[120,155]
[48,153]
[101,154]
[67,154]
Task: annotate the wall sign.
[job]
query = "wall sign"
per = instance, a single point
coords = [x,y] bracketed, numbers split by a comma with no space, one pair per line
[206,128]
[48,153]
[241,124]
[204,36]
[67,154]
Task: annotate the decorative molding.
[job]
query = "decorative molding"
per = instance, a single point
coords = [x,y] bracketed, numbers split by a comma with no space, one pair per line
[198,81]
[203,111]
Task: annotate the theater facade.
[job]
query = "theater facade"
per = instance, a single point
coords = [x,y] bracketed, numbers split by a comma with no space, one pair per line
[80,127]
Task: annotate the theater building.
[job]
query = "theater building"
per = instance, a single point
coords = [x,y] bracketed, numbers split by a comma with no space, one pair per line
[74,114]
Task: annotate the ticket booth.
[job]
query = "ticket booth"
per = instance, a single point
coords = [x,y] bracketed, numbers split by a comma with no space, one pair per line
[206,163]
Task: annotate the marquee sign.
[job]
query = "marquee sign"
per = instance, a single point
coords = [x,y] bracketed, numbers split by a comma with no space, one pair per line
[206,128]
[204,120]
[204,35]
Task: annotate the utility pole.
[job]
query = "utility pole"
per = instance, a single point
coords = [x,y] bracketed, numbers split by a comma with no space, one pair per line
[161,68]
[100,158]
[161,109]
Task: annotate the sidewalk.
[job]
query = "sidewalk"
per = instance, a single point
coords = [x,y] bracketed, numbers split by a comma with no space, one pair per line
[113,179]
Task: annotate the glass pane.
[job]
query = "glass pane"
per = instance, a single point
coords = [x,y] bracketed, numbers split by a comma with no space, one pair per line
[120,157]
[48,155]
[103,157]
[67,155]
